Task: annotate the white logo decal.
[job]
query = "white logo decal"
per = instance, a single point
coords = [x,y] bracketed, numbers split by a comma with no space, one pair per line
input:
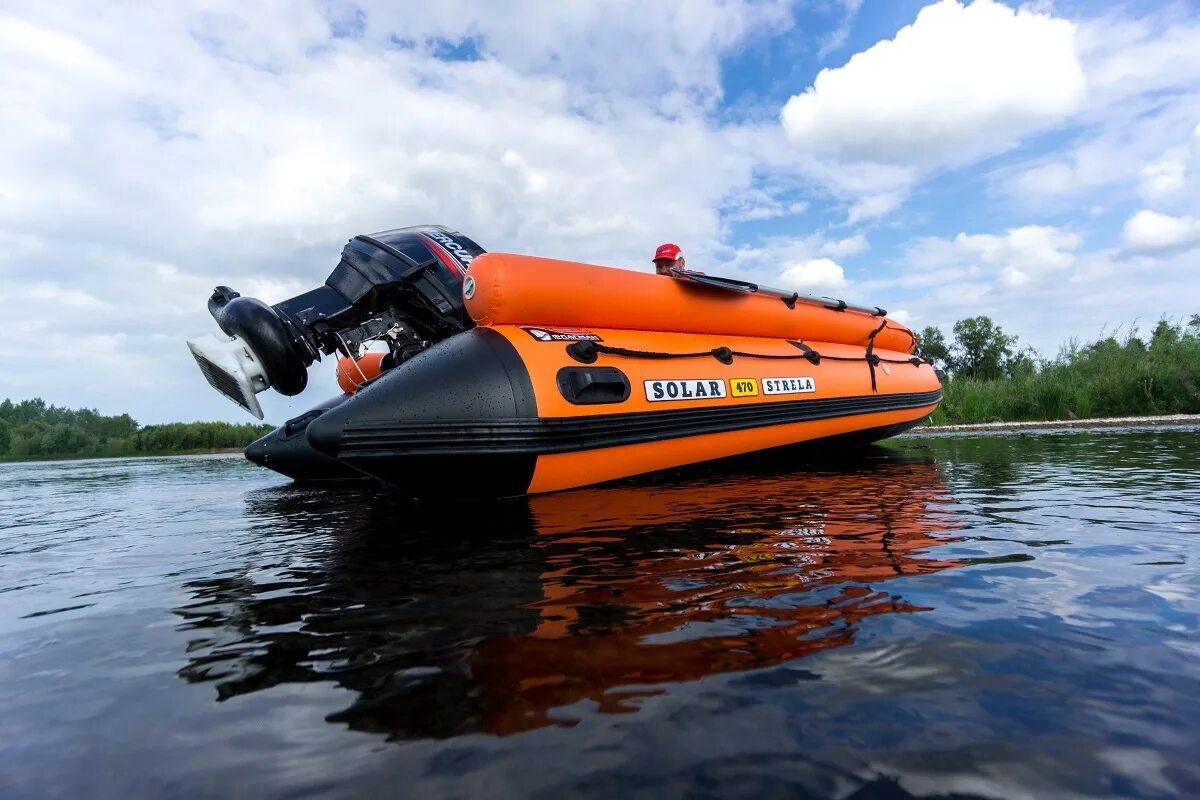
[788,385]
[454,247]
[691,389]
[562,334]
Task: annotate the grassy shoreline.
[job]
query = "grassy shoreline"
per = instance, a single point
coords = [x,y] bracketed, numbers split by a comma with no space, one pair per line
[7,458]
[1128,377]
[32,430]
[1094,423]
[929,429]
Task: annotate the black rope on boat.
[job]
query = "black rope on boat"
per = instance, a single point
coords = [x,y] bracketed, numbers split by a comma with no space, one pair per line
[809,353]
[790,302]
[873,359]
[588,352]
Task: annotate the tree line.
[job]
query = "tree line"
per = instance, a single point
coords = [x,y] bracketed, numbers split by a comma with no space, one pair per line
[991,378]
[31,428]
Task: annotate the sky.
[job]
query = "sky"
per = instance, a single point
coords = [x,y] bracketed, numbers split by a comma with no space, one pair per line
[1037,163]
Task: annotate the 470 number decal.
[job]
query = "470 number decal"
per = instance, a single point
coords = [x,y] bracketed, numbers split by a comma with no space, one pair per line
[744,387]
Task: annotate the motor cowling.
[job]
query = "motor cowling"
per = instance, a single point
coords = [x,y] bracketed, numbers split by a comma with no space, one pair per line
[402,287]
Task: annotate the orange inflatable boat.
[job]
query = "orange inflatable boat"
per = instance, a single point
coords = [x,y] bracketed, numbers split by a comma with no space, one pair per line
[511,374]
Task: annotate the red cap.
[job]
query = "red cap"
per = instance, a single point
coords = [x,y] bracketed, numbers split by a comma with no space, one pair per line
[668,251]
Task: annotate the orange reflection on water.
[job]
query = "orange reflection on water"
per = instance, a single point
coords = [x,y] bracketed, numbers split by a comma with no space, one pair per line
[648,586]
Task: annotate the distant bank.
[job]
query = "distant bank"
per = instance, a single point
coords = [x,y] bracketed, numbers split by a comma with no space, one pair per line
[1059,424]
[1133,376]
[32,430]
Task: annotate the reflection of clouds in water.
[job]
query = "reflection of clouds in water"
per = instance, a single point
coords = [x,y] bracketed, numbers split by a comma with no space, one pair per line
[1061,656]
[447,620]
[1078,502]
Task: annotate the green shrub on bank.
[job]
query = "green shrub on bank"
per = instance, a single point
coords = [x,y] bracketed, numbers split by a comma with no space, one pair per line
[1107,378]
[32,429]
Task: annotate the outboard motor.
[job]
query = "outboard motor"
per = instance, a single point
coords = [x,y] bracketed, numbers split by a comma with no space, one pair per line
[402,287]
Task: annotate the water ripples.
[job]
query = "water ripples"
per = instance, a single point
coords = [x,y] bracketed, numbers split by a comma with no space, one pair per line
[996,616]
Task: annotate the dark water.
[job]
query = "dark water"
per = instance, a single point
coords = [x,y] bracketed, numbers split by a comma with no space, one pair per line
[992,616]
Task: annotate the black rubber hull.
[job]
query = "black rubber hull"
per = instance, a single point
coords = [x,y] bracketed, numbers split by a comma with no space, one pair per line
[461,420]
[443,399]
[287,451]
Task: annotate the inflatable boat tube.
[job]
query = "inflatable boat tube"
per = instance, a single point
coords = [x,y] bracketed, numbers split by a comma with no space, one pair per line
[505,289]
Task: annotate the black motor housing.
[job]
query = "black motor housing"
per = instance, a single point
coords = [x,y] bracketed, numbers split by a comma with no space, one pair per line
[407,279]
[404,283]
[415,274]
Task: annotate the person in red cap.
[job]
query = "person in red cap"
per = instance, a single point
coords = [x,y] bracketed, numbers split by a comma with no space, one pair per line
[667,257]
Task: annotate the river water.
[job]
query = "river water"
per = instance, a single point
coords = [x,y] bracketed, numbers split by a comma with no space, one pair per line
[990,616]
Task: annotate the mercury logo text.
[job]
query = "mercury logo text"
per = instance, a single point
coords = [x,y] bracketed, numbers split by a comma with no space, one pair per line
[454,247]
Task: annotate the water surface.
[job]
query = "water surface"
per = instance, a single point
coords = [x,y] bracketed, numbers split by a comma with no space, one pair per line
[992,616]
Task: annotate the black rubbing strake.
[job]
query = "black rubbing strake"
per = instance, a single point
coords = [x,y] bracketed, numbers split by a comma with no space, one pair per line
[367,440]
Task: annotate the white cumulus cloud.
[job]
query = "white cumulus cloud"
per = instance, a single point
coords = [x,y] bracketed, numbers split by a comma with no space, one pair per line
[1134,134]
[1150,231]
[635,48]
[837,39]
[850,246]
[1039,282]
[153,152]
[959,83]
[1011,259]
[816,273]
[1164,177]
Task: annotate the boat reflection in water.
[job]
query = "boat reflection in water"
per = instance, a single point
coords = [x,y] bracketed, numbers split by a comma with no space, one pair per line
[506,618]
